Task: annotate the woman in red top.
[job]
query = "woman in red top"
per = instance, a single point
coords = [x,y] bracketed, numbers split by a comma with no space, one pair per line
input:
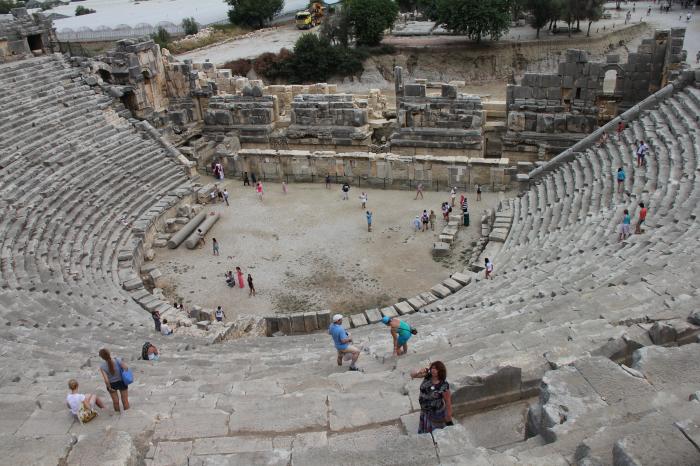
[642,217]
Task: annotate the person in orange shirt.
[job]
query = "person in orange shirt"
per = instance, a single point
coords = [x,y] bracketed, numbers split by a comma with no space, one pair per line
[642,218]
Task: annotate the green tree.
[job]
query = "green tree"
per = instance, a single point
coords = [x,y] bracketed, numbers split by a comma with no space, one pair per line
[254,13]
[80,10]
[190,26]
[370,18]
[594,12]
[161,37]
[336,28]
[7,5]
[542,11]
[475,18]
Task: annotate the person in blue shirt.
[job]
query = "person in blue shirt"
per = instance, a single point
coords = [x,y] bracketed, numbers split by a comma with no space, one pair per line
[369,221]
[620,179]
[625,228]
[342,342]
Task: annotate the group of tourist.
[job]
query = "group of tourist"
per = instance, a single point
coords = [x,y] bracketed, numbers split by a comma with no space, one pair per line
[116,376]
[434,394]
[231,280]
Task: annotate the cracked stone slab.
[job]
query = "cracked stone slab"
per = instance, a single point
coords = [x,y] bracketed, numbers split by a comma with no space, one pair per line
[109,448]
[263,415]
[441,291]
[194,424]
[268,458]
[351,411]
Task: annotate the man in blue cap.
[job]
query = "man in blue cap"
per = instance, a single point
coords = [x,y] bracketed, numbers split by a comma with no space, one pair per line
[401,332]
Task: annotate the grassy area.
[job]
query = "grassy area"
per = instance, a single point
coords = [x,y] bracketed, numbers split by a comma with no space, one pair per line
[221,33]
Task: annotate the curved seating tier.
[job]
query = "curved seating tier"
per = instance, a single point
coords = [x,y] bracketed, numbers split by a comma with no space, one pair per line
[565,291]
[74,175]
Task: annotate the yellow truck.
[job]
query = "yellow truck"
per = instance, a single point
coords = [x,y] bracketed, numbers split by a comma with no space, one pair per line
[310,17]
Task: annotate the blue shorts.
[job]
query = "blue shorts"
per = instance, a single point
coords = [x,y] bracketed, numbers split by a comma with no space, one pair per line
[402,340]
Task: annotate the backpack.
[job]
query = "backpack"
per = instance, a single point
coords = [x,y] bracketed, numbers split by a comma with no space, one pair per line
[144,350]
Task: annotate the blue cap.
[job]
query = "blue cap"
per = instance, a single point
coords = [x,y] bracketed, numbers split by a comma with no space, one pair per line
[386,320]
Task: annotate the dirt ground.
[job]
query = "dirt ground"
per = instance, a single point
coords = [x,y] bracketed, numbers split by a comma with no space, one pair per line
[310,250]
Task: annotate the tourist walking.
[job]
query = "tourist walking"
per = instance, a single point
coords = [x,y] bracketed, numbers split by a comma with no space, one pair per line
[620,180]
[342,342]
[253,178]
[345,190]
[239,274]
[642,218]
[425,220]
[259,190]
[156,320]
[401,332]
[478,192]
[369,221]
[246,181]
[419,191]
[697,57]
[226,197]
[625,227]
[488,269]
[620,128]
[328,181]
[284,187]
[642,149]
[363,200]
[434,398]
[81,405]
[416,223]
[453,195]
[215,246]
[219,314]
[432,217]
[251,287]
[111,370]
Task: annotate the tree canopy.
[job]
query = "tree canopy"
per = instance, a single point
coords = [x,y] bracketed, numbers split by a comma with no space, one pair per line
[253,13]
[474,18]
[370,18]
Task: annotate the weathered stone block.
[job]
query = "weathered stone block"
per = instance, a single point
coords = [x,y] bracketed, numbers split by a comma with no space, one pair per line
[358,320]
[403,308]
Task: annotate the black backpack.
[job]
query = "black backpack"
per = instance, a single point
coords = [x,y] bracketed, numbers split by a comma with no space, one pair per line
[144,350]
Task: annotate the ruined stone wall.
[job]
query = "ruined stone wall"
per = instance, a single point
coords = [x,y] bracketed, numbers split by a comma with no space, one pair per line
[251,116]
[450,123]
[381,170]
[333,119]
[548,113]
[23,35]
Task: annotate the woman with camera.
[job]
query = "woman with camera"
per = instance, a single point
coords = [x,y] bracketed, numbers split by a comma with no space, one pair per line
[435,398]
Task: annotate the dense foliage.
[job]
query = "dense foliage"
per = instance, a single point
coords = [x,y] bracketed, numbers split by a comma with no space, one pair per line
[253,13]
[81,10]
[314,59]
[370,18]
[474,18]
[190,26]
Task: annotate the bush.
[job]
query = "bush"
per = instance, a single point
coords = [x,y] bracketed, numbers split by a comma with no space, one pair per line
[190,26]
[254,13]
[239,67]
[80,10]
[161,37]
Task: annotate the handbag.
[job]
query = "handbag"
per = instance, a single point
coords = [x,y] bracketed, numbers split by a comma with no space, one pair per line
[86,415]
[127,375]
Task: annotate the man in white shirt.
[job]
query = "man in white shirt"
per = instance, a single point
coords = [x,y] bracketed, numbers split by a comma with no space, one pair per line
[219,314]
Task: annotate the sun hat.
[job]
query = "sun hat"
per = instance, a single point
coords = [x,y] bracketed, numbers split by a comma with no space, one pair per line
[386,320]
[337,317]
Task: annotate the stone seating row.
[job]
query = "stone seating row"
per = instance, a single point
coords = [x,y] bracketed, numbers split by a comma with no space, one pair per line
[93,161]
